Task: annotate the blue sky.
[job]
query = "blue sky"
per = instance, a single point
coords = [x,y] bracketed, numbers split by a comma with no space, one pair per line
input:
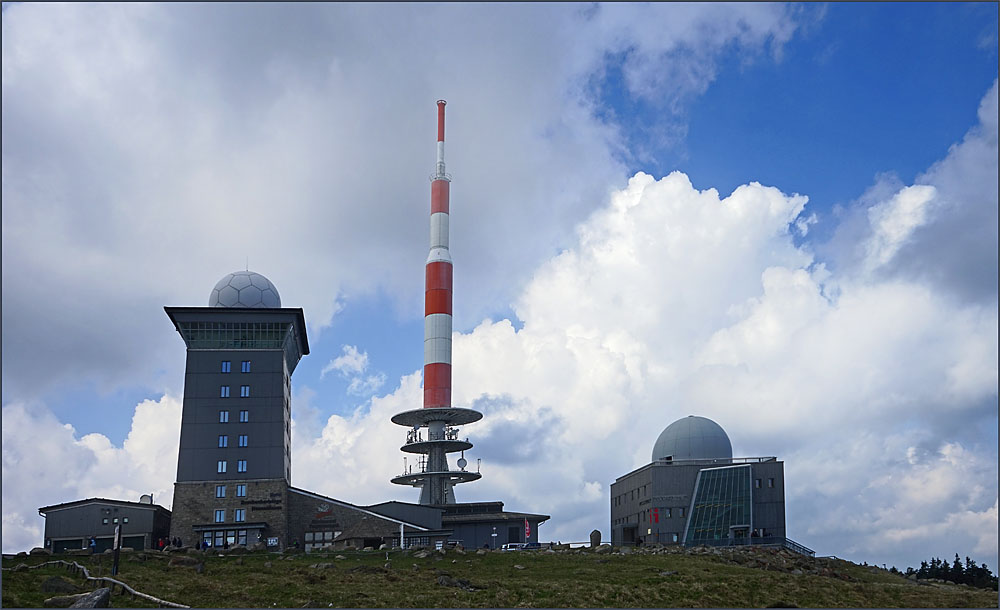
[149,150]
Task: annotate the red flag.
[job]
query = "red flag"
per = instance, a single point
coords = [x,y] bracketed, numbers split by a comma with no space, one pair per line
[527,529]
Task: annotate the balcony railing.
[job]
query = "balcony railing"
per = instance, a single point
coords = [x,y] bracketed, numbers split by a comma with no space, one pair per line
[449,434]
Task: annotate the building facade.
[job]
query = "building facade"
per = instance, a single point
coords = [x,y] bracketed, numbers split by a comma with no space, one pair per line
[695,492]
[70,525]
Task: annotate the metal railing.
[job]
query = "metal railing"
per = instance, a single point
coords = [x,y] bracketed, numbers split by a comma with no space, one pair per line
[449,434]
[779,541]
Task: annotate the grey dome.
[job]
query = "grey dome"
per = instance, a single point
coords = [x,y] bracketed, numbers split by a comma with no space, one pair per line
[693,438]
[244,289]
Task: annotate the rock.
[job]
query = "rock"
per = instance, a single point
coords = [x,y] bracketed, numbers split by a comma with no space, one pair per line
[447,581]
[368,548]
[58,584]
[595,539]
[625,550]
[258,546]
[460,550]
[481,552]
[100,598]
[796,572]
[667,573]
[340,557]
[383,547]
[40,551]
[518,566]
[62,601]
[421,554]
[321,566]
[237,549]
[21,554]
[604,548]
[239,561]
[183,561]
[200,568]
[267,564]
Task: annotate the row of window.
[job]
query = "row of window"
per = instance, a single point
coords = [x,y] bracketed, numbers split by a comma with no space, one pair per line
[223,537]
[241,491]
[239,515]
[244,391]
[227,366]
[758,483]
[241,466]
[634,494]
[224,417]
[104,521]
[224,441]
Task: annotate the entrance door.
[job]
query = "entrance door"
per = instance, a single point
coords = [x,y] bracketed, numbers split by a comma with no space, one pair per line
[514,534]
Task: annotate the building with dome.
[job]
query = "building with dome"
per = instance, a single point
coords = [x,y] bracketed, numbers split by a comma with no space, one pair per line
[234,463]
[695,492]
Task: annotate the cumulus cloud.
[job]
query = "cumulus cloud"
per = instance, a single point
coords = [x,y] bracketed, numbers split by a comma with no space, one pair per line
[352,365]
[45,462]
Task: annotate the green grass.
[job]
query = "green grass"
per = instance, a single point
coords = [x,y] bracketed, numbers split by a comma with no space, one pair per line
[546,580]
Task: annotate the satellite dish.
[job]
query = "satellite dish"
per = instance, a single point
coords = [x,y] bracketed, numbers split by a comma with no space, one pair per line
[145,499]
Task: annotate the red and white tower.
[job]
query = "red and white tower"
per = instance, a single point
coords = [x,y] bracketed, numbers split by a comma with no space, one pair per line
[431,473]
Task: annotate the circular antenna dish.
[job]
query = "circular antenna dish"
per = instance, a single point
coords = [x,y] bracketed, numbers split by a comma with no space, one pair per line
[462,463]
[145,499]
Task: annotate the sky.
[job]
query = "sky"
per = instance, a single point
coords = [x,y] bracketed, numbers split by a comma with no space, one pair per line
[779,217]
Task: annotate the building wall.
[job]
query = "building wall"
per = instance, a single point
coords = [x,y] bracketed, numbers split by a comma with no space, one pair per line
[72,527]
[195,505]
[268,408]
[652,504]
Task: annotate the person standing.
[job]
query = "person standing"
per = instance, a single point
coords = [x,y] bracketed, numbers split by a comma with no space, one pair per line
[93,544]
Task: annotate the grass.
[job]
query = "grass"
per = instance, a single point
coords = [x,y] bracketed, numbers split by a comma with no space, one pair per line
[542,580]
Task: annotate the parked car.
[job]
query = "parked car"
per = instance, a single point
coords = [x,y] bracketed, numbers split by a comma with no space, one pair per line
[512,546]
[531,546]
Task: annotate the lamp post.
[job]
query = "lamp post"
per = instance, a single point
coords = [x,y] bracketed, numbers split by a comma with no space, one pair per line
[494,538]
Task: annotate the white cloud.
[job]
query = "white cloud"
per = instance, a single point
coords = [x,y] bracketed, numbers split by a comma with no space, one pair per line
[350,362]
[44,463]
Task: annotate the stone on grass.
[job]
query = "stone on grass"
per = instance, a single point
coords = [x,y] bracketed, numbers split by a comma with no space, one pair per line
[58,584]
[595,539]
[604,548]
[99,598]
[40,551]
[62,601]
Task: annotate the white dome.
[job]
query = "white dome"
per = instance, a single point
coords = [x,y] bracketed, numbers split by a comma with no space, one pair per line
[693,438]
[244,289]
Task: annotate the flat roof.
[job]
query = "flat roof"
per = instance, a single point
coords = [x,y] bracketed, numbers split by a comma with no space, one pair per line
[75,503]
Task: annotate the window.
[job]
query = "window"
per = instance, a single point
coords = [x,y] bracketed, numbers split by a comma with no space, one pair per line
[222,466]
[223,440]
[243,440]
[241,491]
[104,521]
[246,366]
[124,519]
[756,483]
[241,537]
[220,516]
[244,391]
[680,512]
[244,416]
[220,491]
[241,466]
[224,392]
[240,515]
[666,513]
[223,417]
[115,520]
[770,482]
[225,366]
[673,537]
[220,537]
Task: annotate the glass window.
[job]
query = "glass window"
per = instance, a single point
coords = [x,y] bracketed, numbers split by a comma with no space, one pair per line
[244,416]
[104,521]
[240,515]
[224,391]
[666,513]
[220,491]
[223,417]
[115,520]
[721,507]
[770,482]
[756,483]
[225,366]
[673,537]
[223,440]
[309,536]
[219,538]
[231,537]
[241,537]
[206,538]
[243,440]
[241,491]
[124,519]
[244,391]
[680,511]
[220,516]
[222,466]
[246,366]
[241,466]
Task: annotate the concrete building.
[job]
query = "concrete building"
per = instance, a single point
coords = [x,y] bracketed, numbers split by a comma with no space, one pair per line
[69,526]
[695,492]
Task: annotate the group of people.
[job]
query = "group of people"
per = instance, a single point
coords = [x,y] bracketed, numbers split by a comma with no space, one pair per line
[165,542]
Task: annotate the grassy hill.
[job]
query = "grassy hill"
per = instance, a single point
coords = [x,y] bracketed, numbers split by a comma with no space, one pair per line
[666,577]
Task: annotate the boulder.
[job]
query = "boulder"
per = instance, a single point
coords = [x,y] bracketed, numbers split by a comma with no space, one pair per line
[100,598]
[40,551]
[62,601]
[481,552]
[595,539]
[340,557]
[421,554]
[604,548]
[237,549]
[21,554]
[383,547]
[184,561]
[58,584]
[258,546]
